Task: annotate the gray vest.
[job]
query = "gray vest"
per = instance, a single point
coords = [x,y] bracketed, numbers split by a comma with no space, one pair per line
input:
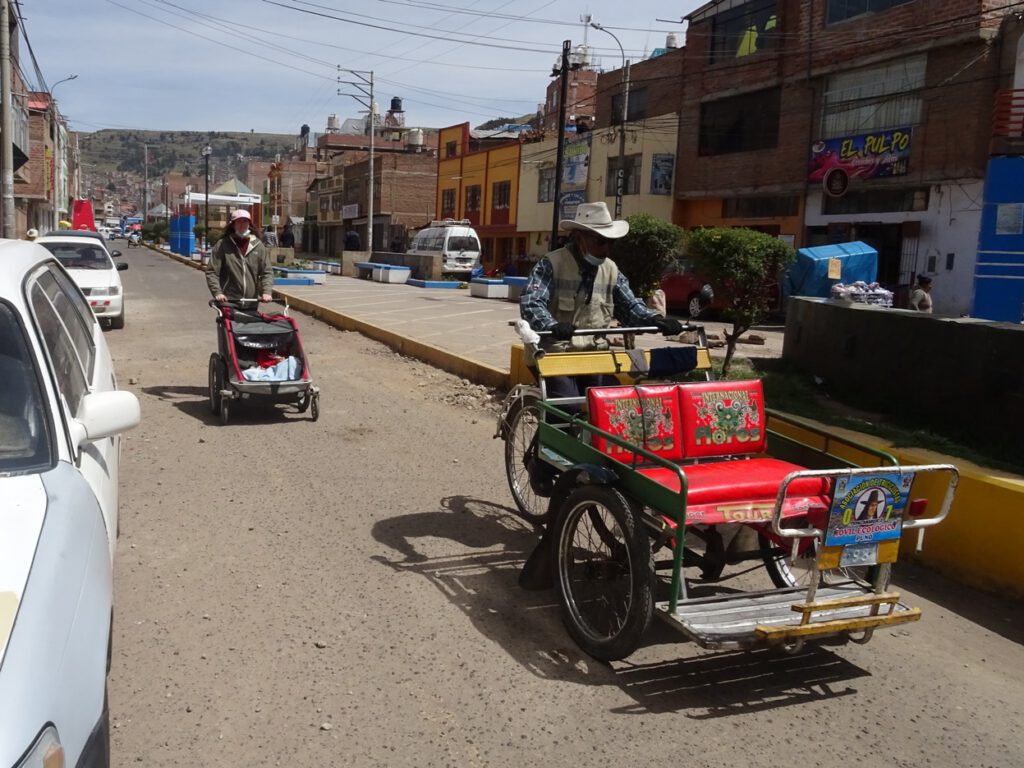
[568,301]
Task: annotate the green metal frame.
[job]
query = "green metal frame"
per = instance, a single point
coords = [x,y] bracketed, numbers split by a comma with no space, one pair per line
[886,459]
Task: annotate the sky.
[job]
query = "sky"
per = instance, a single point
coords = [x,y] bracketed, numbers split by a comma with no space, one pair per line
[272,65]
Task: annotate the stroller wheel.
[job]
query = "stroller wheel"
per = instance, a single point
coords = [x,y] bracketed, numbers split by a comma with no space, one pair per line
[303,402]
[314,401]
[224,410]
[216,382]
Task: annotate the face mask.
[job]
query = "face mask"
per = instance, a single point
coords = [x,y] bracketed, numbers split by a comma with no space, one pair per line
[592,259]
[241,235]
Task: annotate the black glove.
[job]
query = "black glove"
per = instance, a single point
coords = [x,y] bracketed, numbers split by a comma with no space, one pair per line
[562,331]
[667,325]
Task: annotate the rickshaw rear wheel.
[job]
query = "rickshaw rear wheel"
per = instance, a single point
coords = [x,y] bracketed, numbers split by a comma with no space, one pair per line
[782,569]
[522,420]
[216,382]
[605,571]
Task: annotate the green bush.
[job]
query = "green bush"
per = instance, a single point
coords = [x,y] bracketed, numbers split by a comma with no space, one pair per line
[157,231]
[647,251]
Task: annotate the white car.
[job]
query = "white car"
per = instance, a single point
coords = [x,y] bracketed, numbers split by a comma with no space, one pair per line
[60,417]
[90,265]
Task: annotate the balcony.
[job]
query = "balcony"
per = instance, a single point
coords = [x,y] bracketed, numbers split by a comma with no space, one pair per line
[1008,123]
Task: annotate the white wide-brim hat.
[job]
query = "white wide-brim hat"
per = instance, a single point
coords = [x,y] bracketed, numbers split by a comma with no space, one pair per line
[594,217]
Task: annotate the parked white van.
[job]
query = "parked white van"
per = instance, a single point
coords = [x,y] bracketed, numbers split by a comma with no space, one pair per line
[455,240]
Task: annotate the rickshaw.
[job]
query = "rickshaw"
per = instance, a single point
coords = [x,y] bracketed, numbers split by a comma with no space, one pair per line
[650,495]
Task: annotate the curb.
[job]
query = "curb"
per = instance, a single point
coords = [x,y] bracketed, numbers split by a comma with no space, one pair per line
[464,367]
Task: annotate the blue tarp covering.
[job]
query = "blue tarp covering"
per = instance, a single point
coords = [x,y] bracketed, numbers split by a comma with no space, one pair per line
[809,274]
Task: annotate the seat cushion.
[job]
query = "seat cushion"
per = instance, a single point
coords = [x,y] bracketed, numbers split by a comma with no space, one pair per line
[722,418]
[743,490]
[644,416]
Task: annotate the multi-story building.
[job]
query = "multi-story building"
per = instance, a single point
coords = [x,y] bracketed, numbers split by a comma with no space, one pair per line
[840,120]
[581,92]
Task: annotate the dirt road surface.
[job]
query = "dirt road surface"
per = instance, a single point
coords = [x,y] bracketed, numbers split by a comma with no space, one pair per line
[344,593]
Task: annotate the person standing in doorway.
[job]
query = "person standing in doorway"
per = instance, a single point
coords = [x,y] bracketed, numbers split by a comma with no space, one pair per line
[287,236]
[921,296]
[352,241]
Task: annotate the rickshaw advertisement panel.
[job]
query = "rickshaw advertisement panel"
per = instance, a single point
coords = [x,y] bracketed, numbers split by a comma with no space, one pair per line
[868,509]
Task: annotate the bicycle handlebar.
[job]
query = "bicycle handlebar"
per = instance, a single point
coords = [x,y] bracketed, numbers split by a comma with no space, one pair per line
[686,328]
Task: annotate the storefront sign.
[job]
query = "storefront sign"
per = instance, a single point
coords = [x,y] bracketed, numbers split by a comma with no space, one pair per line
[835,182]
[865,156]
[568,203]
[350,211]
[576,161]
[662,167]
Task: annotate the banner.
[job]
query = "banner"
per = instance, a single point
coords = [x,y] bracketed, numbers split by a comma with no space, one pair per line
[865,156]
[662,167]
[569,202]
[575,162]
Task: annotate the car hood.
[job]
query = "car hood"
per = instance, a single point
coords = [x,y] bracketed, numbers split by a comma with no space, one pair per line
[21,520]
[94,278]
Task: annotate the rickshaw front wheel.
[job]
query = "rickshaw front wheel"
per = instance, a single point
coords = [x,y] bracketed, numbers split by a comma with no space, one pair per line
[605,571]
[522,420]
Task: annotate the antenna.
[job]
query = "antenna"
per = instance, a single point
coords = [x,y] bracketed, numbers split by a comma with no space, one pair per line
[585,19]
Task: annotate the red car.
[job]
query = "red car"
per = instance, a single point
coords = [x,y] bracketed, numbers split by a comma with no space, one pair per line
[682,285]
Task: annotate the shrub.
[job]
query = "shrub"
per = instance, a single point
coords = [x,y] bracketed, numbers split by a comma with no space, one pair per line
[647,251]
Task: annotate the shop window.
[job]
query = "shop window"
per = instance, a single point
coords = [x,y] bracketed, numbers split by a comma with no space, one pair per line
[740,123]
[631,182]
[637,106]
[546,185]
[744,30]
[447,203]
[877,201]
[874,98]
[760,207]
[473,196]
[840,10]
[501,195]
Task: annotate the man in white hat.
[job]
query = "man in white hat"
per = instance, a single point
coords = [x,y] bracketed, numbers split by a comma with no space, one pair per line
[578,286]
[238,267]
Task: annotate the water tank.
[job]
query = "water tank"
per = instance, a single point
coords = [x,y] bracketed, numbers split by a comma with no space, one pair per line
[414,139]
[396,103]
[332,123]
[304,131]
[671,41]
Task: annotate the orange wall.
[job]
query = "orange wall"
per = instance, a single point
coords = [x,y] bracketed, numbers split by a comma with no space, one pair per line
[502,165]
[691,214]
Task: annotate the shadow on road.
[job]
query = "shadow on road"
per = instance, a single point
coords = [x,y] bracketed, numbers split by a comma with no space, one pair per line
[194,401]
[481,579]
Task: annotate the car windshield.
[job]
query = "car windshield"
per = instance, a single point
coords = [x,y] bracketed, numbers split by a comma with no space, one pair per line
[24,440]
[80,256]
[464,243]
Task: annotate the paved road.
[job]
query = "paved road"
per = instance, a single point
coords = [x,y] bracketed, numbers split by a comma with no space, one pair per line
[275,576]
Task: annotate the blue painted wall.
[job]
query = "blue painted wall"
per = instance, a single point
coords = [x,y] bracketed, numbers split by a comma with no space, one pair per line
[999,274]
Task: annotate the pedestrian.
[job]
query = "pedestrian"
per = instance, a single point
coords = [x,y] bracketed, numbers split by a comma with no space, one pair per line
[397,244]
[579,286]
[352,241]
[921,296]
[270,237]
[287,236]
[239,267]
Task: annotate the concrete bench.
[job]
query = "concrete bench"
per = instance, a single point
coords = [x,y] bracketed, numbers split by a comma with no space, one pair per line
[433,283]
[318,276]
[294,281]
[488,289]
[515,287]
[391,273]
[366,269]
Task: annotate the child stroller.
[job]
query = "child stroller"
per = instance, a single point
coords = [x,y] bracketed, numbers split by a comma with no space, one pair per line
[259,356]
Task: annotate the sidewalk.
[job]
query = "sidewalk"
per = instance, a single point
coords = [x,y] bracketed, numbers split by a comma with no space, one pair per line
[449,320]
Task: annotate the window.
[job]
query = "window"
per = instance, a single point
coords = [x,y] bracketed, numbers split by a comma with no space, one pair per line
[473,195]
[546,185]
[759,207]
[67,368]
[501,192]
[873,99]
[84,311]
[631,182]
[744,30]
[447,203]
[839,10]
[325,202]
[637,106]
[24,437]
[740,123]
[877,201]
[337,202]
[451,149]
[65,297]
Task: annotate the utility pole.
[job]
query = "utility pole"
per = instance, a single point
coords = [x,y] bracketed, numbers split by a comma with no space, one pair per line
[145,186]
[365,97]
[563,72]
[7,152]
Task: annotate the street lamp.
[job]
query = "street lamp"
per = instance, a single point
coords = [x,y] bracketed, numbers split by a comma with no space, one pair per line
[66,79]
[620,177]
[58,149]
[207,151]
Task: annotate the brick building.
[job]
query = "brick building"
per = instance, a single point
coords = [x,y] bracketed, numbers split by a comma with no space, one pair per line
[580,100]
[827,122]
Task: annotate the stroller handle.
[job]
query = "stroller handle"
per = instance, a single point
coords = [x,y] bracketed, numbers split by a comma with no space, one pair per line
[235,303]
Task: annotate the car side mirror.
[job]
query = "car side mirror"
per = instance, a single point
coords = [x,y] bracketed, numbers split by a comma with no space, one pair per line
[115,254]
[104,414]
[122,266]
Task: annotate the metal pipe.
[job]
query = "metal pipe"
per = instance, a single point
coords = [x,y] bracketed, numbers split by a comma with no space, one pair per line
[560,154]
[7,152]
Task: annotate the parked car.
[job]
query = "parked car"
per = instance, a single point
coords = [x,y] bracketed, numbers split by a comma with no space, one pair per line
[60,420]
[89,263]
[86,233]
[456,242]
[686,290]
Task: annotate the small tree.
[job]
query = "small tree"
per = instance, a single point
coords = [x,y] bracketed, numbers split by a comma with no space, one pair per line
[742,265]
[646,252]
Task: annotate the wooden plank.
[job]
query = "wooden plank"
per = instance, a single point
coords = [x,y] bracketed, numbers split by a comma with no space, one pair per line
[837,625]
[846,602]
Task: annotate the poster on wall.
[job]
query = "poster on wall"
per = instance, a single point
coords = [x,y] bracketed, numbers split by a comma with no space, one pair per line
[662,168]
[865,156]
[1010,219]
[569,202]
[576,161]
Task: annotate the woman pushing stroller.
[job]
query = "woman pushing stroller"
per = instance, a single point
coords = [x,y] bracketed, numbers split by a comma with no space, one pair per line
[238,267]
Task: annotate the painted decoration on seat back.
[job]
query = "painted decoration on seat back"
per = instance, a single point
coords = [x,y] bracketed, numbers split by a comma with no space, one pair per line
[722,418]
[644,416]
